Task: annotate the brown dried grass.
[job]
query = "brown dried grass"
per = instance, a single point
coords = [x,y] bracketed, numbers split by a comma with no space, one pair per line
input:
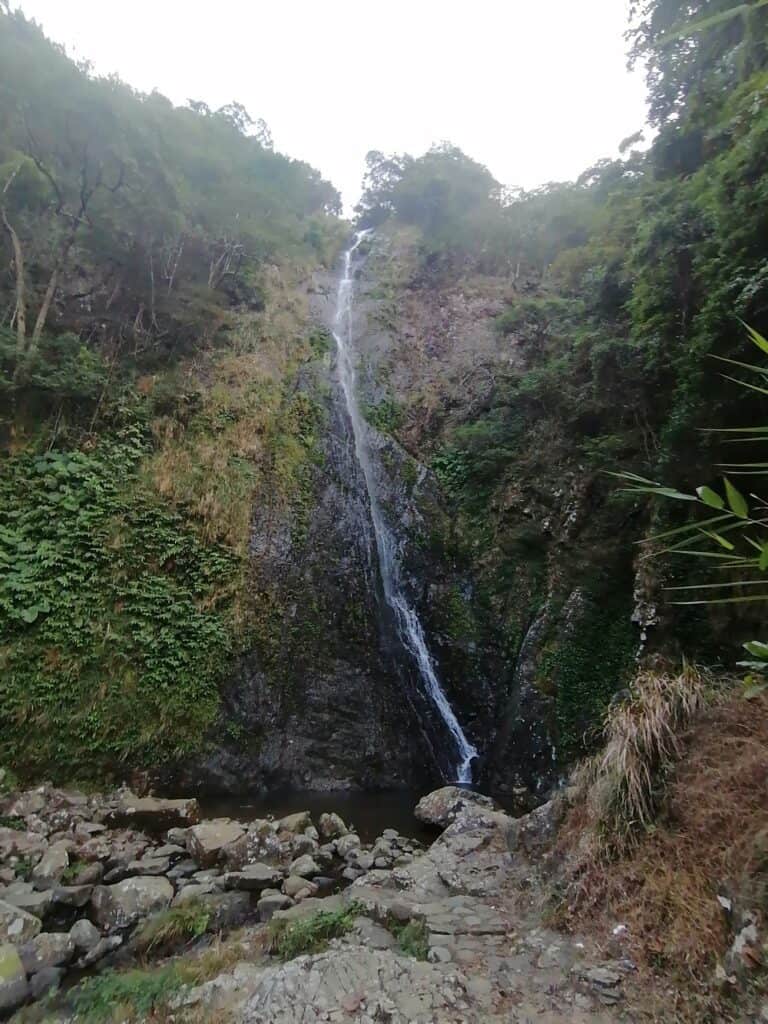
[710,835]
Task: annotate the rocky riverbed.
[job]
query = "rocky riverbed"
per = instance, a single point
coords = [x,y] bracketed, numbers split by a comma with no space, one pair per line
[85,879]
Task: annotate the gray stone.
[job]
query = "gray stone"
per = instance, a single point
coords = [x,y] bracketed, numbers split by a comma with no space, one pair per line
[193,892]
[16,925]
[45,982]
[347,844]
[207,840]
[371,934]
[336,985]
[295,884]
[226,909]
[84,935]
[51,866]
[48,949]
[121,905]
[269,904]
[302,844]
[152,814]
[73,895]
[295,822]
[253,878]
[331,826]
[305,866]
[104,946]
[13,979]
[183,869]
[443,806]
[89,874]
[177,836]
[37,903]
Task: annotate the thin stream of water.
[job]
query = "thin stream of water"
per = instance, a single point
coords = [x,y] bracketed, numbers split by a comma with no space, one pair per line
[409,628]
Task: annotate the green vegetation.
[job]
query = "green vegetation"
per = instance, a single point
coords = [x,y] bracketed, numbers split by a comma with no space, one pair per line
[114,630]
[172,927]
[311,934]
[148,357]
[125,996]
[412,938]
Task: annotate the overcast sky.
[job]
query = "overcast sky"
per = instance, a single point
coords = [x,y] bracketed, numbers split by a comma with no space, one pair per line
[535,89]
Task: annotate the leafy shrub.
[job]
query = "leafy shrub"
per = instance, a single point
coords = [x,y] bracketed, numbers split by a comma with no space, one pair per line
[413,938]
[114,624]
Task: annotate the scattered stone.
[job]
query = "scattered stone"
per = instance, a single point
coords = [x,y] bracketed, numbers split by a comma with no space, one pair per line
[120,905]
[206,841]
[443,806]
[305,866]
[295,884]
[104,946]
[45,982]
[183,869]
[73,895]
[295,822]
[269,904]
[16,925]
[193,892]
[226,909]
[37,903]
[253,878]
[371,934]
[84,935]
[51,866]
[303,843]
[331,826]
[178,836]
[13,979]
[346,844]
[48,949]
[89,874]
[152,814]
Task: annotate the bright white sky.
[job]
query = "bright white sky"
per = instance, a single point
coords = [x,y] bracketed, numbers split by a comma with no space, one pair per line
[537,90]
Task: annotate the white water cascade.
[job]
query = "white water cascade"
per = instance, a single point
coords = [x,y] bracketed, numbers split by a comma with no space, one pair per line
[407,622]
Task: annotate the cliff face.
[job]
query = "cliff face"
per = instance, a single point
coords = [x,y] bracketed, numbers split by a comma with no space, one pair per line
[514,592]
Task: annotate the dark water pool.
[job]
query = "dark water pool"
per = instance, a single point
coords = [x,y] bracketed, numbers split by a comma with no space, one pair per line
[368,813]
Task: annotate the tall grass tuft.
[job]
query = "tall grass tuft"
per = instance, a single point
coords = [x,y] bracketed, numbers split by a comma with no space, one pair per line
[622,785]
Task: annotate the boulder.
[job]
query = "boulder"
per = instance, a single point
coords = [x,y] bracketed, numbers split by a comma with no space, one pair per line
[16,925]
[207,840]
[193,892]
[346,844]
[331,826]
[48,949]
[118,906]
[443,806]
[295,884]
[106,945]
[13,979]
[152,814]
[84,935]
[226,909]
[271,903]
[253,878]
[260,844]
[304,866]
[72,895]
[295,822]
[303,843]
[45,982]
[23,896]
[51,866]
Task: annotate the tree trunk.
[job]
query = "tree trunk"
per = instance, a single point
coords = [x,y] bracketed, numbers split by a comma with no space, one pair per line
[21,296]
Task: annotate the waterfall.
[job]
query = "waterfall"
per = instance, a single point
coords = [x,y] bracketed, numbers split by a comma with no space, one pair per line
[409,628]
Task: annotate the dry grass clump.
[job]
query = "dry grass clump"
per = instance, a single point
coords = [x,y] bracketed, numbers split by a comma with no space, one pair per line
[622,786]
[709,836]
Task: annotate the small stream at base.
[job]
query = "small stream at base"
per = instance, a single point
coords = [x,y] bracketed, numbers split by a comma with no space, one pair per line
[368,814]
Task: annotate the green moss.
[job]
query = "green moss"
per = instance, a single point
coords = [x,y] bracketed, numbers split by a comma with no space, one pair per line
[585,667]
